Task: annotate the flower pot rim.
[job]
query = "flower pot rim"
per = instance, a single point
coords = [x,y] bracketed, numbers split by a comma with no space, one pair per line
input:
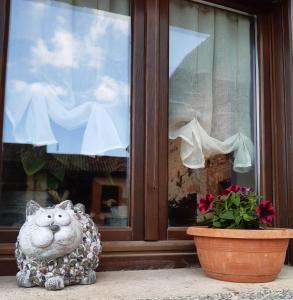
[268,233]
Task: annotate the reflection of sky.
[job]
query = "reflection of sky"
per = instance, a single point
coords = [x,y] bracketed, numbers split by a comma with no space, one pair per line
[72,56]
[182,41]
[80,55]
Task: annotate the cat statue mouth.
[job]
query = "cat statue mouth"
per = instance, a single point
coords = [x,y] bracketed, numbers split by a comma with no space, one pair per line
[50,232]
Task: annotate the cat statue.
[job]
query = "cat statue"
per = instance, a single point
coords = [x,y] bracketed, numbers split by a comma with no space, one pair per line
[57,246]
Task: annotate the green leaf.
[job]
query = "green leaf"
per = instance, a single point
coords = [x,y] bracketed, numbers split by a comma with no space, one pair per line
[238,219]
[52,182]
[58,174]
[233,226]
[205,222]
[32,165]
[228,215]
[247,217]
[217,224]
[236,199]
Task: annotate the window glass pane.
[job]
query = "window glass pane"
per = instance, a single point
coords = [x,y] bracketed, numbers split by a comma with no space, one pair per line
[211,109]
[67,108]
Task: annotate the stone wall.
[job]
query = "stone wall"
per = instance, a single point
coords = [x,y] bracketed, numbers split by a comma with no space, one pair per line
[184,181]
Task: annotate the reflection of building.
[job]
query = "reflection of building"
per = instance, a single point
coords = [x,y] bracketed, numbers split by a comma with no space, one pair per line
[109,202]
[50,177]
[184,181]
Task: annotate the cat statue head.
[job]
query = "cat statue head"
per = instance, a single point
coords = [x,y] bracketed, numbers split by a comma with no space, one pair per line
[50,232]
[57,246]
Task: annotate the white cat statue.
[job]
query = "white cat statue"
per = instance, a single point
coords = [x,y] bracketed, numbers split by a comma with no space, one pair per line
[57,246]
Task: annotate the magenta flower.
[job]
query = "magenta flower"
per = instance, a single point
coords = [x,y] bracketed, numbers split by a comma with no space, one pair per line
[232,188]
[206,203]
[265,211]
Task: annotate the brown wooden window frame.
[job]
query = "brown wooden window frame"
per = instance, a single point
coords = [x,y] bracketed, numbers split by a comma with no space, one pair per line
[148,232]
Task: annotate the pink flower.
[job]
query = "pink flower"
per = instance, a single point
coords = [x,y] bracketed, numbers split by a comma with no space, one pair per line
[206,203]
[232,188]
[265,212]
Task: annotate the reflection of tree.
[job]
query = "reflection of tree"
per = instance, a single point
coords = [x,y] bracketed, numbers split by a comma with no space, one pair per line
[52,168]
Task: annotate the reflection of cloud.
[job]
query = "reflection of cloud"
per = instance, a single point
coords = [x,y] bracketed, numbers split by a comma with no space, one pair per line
[38,5]
[110,90]
[63,52]
[66,50]
[121,26]
[39,88]
[105,20]
[61,20]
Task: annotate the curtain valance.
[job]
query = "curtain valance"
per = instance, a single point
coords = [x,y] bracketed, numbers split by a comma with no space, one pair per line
[197,145]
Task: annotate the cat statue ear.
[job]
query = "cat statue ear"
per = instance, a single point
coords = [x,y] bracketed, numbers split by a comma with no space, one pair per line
[79,207]
[66,205]
[32,207]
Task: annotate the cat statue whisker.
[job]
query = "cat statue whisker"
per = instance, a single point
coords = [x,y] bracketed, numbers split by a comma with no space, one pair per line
[57,246]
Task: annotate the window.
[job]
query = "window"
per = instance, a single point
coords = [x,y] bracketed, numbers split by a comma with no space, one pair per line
[95,110]
[211,105]
[67,108]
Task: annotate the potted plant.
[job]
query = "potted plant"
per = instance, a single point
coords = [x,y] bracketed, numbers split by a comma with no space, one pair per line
[238,243]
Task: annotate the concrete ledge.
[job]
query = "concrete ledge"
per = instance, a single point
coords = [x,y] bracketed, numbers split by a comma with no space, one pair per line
[188,283]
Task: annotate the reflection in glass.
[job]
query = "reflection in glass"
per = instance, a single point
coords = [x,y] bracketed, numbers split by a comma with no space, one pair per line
[67,102]
[211,112]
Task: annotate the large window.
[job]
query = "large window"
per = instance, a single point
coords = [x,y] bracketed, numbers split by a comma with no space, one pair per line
[67,108]
[211,105]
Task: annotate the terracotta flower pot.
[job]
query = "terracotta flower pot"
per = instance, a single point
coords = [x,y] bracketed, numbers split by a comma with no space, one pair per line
[241,255]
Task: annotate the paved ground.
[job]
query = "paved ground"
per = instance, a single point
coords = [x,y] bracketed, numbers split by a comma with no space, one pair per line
[177,284]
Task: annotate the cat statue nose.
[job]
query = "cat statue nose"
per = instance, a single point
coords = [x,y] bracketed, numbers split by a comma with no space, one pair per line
[54,228]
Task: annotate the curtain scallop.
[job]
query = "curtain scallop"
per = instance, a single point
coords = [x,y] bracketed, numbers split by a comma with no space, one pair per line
[210,84]
[68,74]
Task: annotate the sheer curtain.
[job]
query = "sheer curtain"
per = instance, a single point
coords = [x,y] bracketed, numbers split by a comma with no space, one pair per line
[68,76]
[210,84]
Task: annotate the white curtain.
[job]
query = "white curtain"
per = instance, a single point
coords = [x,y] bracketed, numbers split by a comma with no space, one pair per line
[210,84]
[68,76]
